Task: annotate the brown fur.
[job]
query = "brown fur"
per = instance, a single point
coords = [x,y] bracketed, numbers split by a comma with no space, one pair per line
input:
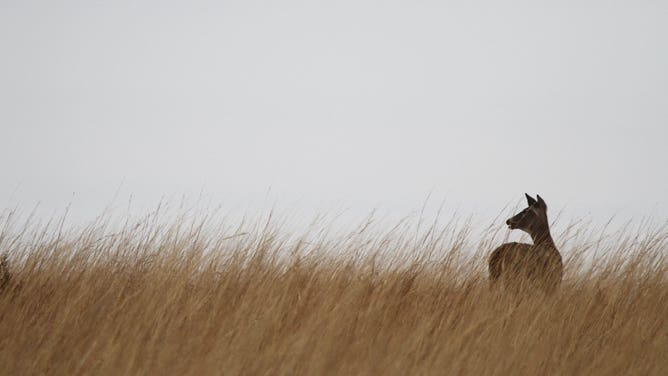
[517,263]
[5,274]
[537,265]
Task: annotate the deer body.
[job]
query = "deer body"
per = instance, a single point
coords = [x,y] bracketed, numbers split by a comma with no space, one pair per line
[5,274]
[538,264]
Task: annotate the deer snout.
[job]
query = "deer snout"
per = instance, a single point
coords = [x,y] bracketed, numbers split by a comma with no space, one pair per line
[510,224]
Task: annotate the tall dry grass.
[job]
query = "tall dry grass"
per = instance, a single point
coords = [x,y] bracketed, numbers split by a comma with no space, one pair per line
[190,299]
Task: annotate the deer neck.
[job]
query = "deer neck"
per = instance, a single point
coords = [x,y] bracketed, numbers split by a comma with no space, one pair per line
[543,237]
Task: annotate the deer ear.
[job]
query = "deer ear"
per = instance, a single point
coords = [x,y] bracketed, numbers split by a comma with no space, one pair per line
[541,202]
[530,200]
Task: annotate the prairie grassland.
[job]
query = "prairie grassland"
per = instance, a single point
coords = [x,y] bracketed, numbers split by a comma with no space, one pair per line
[182,299]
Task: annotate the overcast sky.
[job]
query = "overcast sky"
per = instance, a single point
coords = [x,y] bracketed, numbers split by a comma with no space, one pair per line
[357,103]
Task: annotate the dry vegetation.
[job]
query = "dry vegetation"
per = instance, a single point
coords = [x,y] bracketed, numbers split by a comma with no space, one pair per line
[183,299]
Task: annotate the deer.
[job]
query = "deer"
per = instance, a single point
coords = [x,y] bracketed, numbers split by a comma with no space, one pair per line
[528,265]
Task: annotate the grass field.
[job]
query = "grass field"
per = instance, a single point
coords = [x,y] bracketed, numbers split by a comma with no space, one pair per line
[182,299]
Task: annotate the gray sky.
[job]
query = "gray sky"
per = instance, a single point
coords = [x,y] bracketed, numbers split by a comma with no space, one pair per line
[357,103]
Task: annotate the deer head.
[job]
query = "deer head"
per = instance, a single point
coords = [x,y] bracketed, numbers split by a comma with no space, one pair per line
[533,219]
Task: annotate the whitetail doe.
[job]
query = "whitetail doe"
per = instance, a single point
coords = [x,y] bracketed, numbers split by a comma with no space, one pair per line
[528,265]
